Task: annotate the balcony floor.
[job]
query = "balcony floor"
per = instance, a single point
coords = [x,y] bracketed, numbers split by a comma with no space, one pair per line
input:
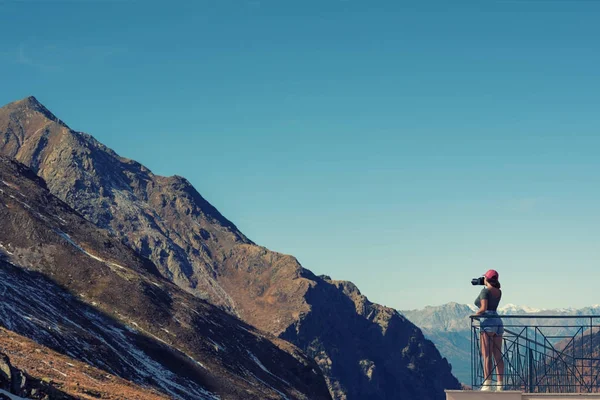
[512,395]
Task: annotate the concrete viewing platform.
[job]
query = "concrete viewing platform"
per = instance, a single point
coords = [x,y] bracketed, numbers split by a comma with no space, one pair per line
[516,395]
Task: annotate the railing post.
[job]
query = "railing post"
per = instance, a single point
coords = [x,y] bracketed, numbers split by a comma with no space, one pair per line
[531,389]
[591,383]
[472,354]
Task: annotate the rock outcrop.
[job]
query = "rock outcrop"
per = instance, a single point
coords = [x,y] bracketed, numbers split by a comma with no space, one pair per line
[19,383]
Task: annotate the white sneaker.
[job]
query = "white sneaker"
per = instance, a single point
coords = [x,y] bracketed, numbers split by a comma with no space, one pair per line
[487,386]
[500,387]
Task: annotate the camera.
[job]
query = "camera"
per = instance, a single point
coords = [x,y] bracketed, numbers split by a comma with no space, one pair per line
[478,281]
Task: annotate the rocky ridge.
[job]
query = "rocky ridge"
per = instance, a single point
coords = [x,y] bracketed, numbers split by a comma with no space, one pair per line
[365,350]
[70,286]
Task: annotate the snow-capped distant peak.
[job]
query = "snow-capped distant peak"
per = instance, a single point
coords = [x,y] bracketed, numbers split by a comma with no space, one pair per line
[514,308]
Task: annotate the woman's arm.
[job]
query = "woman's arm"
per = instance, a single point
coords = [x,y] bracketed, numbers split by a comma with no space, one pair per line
[483,307]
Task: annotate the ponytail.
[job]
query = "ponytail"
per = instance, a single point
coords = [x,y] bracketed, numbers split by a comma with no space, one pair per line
[494,282]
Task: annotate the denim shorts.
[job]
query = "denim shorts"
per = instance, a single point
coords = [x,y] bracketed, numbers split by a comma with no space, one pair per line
[492,323]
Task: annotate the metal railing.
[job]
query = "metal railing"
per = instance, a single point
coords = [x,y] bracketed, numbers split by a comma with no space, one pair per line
[542,354]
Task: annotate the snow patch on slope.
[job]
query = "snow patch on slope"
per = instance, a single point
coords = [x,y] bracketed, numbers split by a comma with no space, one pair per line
[78,247]
[5,250]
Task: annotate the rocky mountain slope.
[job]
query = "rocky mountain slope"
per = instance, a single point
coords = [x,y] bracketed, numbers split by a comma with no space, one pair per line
[449,327]
[366,350]
[33,371]
[70,286]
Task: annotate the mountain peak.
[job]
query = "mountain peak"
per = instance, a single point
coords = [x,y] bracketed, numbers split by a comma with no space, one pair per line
[31,103]
[31,100]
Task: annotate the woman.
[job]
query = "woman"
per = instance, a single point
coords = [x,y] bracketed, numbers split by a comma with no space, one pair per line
[492,329]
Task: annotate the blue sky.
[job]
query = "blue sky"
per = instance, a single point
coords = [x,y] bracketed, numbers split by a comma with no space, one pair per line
[405,146]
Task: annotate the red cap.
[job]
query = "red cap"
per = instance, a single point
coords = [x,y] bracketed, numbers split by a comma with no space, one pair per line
[492,274]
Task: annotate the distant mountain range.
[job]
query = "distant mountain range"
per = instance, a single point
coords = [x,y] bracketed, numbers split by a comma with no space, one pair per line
[449,327]
[152,263]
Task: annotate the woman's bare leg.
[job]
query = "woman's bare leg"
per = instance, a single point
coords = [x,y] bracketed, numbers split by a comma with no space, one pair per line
[486,354]
[497,351]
